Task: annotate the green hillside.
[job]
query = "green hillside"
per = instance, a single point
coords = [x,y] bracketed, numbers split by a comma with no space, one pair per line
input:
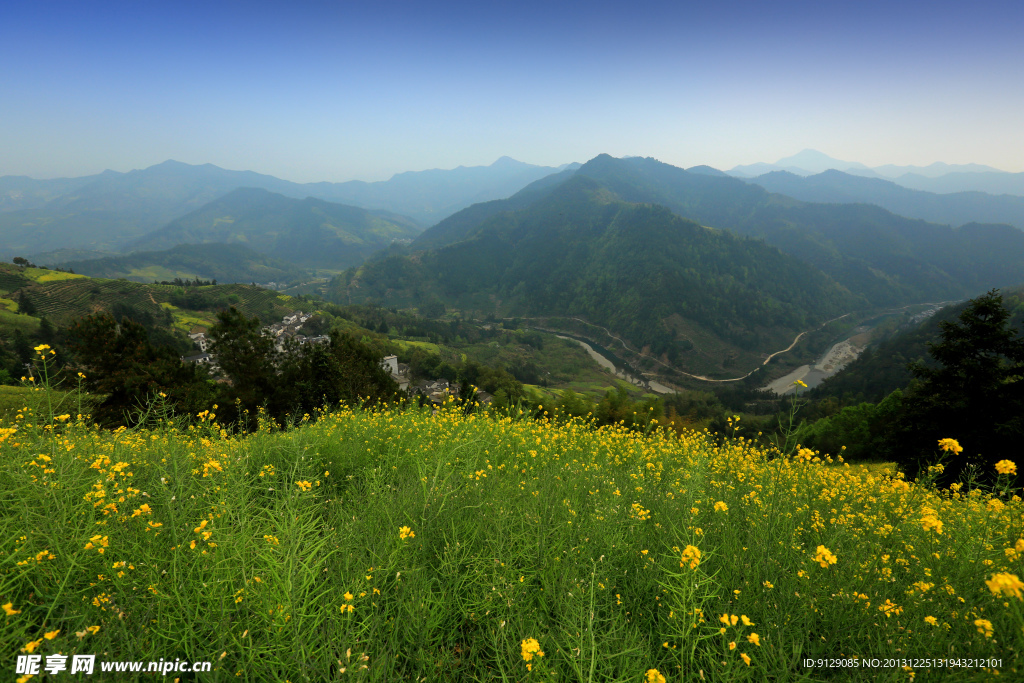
[884,257]
[638,269]
[224,263]
[62,297]
[309,232]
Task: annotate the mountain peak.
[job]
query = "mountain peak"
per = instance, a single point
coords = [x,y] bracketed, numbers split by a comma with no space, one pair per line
[506,162]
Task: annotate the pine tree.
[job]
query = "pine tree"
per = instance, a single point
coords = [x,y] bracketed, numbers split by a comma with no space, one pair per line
[974,394]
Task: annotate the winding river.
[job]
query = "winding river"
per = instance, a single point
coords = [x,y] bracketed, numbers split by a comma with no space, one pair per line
[604,362]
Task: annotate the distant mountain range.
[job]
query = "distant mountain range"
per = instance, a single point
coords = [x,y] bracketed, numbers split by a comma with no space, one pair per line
[938,177]
[602,242]
[956,208]
[107,211]
[308,232]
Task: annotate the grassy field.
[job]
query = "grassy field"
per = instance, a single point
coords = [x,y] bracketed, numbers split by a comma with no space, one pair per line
[400,546]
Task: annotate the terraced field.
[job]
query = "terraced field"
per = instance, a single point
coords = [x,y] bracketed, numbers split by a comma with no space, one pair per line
[62,297]
[11,280]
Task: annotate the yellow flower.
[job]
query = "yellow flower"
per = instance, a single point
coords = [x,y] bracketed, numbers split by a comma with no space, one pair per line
[51,635]
[746,658]
[824,557]
[754,639]
[653,676]
[405,532]
[984,627]
[9,609]
[950,445]
[890,608]
[691,555]
[304,485]
[31,647]
[348,596]
[931,620]
[931,522]
[769,585]
[800,383]
[720,506]
[531,647]
[1006,584]
[1006,467]
[272,540]
[746,622]
[732,645]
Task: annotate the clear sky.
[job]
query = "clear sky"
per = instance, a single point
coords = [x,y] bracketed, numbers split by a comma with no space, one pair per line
[344,90]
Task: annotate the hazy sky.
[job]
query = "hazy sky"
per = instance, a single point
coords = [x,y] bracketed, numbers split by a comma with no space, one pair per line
[341,90]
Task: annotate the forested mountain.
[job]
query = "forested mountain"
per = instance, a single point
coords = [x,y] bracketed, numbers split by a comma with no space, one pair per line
[106,211]
[308,232]
[884,257]
[954,208]
[224,263]
[583,250]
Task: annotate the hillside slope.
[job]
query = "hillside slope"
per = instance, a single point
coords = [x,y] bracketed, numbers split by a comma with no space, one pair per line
[225,263]
[887,258]
[309,232]
[63,297]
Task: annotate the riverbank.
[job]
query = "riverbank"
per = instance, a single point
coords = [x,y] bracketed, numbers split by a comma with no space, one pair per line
[834,360]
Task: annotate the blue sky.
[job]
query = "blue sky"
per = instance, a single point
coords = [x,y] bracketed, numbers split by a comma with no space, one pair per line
[339,91]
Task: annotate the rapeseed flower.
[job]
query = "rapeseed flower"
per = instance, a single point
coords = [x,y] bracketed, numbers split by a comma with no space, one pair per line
[690,555]
[405,533]
[720,506]
[950,446]
[824,557]
[1006,467]
[746,658]
[653,676]
[1006,584]
[754,639]
[531,647]
[984,627]
[9,609]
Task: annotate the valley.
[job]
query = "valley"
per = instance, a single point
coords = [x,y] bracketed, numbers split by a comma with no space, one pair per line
[486,342]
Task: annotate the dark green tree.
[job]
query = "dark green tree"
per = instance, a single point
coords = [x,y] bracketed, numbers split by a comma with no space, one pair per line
[344,371]
[248,358]
[974,394]
[122,365]
[25,305]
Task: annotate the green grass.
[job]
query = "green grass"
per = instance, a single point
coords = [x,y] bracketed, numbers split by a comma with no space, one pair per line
[429,346]
[45,275]
[10,321]
[279,556]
